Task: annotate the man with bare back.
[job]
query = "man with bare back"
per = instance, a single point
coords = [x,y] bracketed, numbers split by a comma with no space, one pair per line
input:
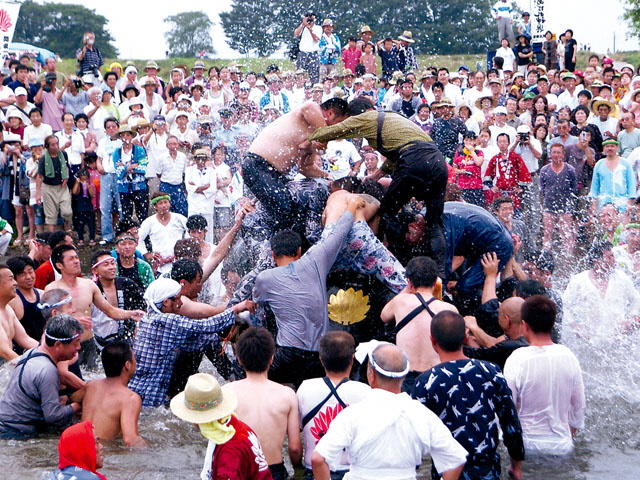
[108,402]
[279,147]
[269,408]
[85,293]
[10,328]
[412,311]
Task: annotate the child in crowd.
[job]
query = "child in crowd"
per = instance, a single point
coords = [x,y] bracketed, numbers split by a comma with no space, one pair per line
[84,215]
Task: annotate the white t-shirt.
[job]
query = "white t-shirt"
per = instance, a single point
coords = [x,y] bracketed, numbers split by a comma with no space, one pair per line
[344,155]
[310,394]
[547,388]
[163,238]
[43,131]
[508,55]
[75,151]
[307,44]
[200,203]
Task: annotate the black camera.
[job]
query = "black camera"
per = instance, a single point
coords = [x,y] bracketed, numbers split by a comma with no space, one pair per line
[47,88]
[524,137]
[78,83]
[310,16]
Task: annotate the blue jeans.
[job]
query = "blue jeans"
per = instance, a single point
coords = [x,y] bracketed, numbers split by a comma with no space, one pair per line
[109,197]
[178,197]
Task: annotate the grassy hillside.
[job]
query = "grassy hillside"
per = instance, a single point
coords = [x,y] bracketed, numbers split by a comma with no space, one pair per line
[259,64]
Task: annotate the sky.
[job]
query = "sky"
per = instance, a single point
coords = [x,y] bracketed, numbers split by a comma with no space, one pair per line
[138,27]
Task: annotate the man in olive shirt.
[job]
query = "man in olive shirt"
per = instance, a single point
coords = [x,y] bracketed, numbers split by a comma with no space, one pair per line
[419,170]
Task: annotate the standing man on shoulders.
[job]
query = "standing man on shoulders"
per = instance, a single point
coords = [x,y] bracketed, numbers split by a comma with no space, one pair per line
[309,34]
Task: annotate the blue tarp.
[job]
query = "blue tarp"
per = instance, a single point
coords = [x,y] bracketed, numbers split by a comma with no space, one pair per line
[41,53]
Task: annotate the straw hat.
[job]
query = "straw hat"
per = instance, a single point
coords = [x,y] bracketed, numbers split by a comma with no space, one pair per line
[151,64]
[203,400]
[494,102]
[598,101]
[406,36]
[366,29]
[395,77]
[445,102]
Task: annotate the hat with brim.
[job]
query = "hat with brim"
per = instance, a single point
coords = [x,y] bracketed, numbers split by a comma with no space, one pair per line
[125,128]
[461,106]
[148,82]
[366,29]
[494,102]
[141,124]
[445,102]
[598,102]
[395,76]
[203,400]
[131,87]
[406,37]
[151,64]
[634,93]
[197,65]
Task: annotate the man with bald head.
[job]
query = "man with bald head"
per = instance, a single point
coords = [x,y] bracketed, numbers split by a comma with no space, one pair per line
[493,349]
[468,395]
[386,434]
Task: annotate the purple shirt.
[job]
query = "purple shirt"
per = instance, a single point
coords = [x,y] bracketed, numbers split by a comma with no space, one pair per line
[558,190]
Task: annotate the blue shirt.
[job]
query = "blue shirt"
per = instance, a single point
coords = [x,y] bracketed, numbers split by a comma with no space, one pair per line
[159,335]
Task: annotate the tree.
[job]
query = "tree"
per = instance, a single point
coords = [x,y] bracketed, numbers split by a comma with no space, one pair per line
[190,34]
[59,27]
[632,15]
[455,26]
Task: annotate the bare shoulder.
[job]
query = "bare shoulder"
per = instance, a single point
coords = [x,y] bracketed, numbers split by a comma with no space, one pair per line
[440,306]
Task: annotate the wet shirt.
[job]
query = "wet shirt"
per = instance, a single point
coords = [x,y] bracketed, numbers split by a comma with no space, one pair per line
[447,135]
[467,395]
[159,336]
[559,190]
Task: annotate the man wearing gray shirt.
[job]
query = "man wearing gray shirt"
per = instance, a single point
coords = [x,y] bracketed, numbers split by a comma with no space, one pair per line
[296,292]
[31,402]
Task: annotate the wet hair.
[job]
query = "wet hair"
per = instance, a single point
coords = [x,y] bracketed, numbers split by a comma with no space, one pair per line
[114,355]
[255,348]
[286,243]
[19,263]
[44,236]
[360,105]
[539,312]
[422,271]
[58,253]
[542,260]
[448,330]
[125,225]
[99,253]
[337,348]
[350,184]
[52,297]
[530,287]
[187,248]
[596,252]
[506,288]
[185,269]
[557,145]
[339,106]
[373,188]
[500,200]
[62,326]
[197,222]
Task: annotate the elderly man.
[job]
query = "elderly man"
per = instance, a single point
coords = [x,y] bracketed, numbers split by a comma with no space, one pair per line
[31,400]
[163,330]
[613,179]
[329,48]
[386,433]
[51,184]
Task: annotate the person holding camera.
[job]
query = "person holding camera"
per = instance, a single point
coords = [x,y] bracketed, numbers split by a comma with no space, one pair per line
[49,95]
[74,95]
[89,58]
[309,34]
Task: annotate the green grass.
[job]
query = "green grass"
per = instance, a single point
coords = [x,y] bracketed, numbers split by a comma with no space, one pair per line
[260,64]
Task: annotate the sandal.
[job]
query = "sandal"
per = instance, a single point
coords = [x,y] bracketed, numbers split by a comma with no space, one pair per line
[92,243]
[81,243]
[17,242]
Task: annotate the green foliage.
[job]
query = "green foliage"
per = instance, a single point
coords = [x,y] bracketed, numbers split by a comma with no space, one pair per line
[632,15]
[59,27]
[454,26]
[190,33]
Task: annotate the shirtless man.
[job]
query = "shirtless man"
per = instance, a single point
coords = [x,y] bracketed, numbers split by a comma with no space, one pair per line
[269,408]
[417,304]
[85,293]
[12,329]
[278,148]
[108,402]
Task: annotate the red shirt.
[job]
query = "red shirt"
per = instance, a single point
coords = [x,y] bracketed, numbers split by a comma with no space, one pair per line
[44,275]
[471,178]
[241,458]
[351,58]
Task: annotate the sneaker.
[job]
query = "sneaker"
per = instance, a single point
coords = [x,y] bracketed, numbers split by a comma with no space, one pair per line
[103,243]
